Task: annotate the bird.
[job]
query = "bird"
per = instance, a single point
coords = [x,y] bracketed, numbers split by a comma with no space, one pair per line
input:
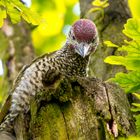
[72,59]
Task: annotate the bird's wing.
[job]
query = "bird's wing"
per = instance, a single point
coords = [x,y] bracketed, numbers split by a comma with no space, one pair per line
[5,108]
[16,82]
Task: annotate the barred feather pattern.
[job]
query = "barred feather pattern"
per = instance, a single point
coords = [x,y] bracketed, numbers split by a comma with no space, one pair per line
[30,81]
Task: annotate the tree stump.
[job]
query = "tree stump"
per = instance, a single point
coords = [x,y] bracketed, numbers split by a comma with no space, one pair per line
[77,108]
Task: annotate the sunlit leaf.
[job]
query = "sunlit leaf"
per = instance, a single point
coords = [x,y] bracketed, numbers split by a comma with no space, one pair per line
[100,3]
[130,82]
[132,49]
[130,62]
[137,117]
[49,36]
[2,15]
[130,138]
[2,3]
[16,9]
[137,95]
[13,13]
[115,60]
[135,109]
[26,13]
[110,44]
[135,8]
[136,105]
[70,2]
[132,28]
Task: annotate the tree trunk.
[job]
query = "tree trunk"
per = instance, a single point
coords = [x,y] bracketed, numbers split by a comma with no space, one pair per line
[82,108]
[78,108]
[110,27]
[17,51]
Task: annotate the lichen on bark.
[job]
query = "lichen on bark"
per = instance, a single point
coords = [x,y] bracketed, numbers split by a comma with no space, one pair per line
[92,110]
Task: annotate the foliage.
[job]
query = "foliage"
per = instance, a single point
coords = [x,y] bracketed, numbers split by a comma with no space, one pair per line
[130,81]
[58,16]
[130,138]
[17,10]
[135,8]
[131,59]
[101,4]
[54,17]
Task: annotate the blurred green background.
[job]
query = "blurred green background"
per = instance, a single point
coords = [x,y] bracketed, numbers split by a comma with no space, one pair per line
[57,16]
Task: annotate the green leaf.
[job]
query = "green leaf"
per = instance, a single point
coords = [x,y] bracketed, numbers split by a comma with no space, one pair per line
[136,105]
[2,3]
[100,3]
[130,62]
[135,109]
[129,82]
[17,10]
[31,17]
[26,13]
[137,117]
[13,13]
[134,6]
[132,49]
[115,60]
[132,28]
[137,95]
[110,44]
[2,15]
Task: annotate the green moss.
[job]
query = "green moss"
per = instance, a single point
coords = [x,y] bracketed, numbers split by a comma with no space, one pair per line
[64,91]
[71,121]
[49,124]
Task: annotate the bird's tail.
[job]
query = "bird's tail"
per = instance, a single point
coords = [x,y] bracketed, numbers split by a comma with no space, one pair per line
[7,124]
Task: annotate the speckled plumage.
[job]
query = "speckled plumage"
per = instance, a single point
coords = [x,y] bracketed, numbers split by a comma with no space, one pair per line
[29,81]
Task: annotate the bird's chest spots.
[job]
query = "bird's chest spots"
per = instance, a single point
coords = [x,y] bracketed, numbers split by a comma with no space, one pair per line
[76,70]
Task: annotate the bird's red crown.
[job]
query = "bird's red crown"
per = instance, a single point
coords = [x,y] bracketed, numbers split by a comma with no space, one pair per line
[84,30]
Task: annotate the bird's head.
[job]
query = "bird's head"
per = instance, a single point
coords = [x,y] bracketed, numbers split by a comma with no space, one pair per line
[83,37]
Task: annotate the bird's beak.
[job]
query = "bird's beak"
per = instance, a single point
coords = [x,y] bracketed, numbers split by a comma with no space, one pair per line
[82,49]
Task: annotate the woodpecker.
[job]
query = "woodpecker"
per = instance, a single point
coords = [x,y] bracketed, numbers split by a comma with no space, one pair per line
[72,60]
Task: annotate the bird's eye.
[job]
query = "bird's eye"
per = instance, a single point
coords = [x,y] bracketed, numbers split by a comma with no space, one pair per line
[94,39]
[73,37]
[89,41]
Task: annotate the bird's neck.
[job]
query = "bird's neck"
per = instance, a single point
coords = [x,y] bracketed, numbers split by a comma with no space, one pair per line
[70,62]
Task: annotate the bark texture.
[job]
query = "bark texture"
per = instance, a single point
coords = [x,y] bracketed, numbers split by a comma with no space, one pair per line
[16,51]
[75,109]
[19,47]
[110,27]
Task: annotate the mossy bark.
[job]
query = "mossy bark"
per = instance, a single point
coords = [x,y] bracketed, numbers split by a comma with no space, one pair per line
[77,109]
